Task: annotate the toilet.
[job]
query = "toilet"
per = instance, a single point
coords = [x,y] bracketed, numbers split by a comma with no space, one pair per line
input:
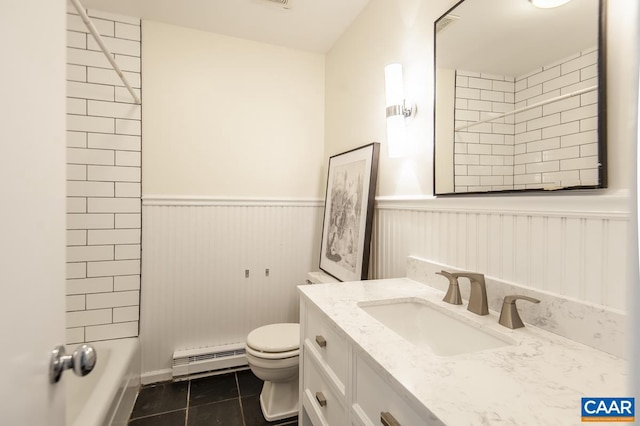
[273,353]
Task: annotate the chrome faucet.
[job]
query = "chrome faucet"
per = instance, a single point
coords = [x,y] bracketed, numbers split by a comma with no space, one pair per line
[478,296]
[509,316]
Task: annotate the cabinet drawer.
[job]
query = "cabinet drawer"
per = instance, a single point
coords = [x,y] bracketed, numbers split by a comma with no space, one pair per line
[322,405]
[329,344]
[373,395]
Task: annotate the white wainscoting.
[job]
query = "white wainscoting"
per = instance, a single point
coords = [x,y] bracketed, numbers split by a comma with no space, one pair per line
[195,253]
[572,245]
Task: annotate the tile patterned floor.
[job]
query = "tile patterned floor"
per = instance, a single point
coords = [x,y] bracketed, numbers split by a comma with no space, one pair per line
[229,399]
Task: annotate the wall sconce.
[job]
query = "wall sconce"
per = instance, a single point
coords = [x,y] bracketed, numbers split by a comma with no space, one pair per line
[397,111]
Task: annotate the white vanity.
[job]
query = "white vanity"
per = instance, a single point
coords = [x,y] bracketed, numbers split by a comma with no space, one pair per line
[354,370]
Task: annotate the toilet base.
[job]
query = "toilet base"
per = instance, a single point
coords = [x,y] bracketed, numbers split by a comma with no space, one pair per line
[279,400]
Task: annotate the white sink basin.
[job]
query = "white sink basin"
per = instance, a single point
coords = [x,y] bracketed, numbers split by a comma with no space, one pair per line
[425,324]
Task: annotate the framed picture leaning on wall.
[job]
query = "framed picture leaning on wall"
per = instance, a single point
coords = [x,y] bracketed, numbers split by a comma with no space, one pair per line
[348,213]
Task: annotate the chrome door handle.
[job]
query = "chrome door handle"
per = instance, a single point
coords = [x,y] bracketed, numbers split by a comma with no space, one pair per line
[321,399]
[388,420]
[81,361]
[321,341]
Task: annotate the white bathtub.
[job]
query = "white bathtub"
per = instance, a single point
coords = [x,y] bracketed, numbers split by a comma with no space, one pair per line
[107,394]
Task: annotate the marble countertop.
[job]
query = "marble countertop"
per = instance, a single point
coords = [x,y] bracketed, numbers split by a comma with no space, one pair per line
[538,380]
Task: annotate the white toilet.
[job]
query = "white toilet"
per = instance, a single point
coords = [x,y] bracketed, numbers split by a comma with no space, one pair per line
[272,352]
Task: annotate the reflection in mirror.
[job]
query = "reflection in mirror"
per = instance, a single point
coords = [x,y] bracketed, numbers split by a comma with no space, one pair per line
[517,97]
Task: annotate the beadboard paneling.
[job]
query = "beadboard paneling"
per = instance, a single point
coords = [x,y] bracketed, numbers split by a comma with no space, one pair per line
[195,253]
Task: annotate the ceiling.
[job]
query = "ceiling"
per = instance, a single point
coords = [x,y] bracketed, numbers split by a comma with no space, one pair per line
[312,25]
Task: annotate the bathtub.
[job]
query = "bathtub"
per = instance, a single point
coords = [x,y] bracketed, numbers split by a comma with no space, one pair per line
[107,394]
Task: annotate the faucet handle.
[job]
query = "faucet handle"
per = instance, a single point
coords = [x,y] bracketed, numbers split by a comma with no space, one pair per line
[453,292]
[509,316]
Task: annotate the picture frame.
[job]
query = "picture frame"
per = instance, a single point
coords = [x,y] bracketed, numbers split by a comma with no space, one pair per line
[348,213]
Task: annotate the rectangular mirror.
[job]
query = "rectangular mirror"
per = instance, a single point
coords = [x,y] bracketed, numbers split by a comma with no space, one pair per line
[520,97]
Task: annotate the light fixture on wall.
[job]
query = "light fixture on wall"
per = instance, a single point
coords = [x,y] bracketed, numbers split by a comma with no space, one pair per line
[397,111]
[548,4]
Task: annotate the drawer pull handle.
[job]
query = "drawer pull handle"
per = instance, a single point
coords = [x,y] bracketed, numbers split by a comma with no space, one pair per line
[321,399]
[321,341]
[388,420]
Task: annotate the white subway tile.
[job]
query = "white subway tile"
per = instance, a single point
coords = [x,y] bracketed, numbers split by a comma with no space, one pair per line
[90,285]
[478,148]
[589,73]
[520,149]
[90,124]
[520,85]
[579,163]
[128,31]
[503,86]
[129,313]
[588,124]
[128,158]
[76,205]
[589,98]
[113,17]
[109,76]
[111,331]
[580,113]
[519,169]
[466,93]
[501,106]
[488,76]
[467,137]
[508,180]
[568,178]
[128,220]
[84,318]
[467,159]
[584,84]
[532,157]
[113,173]
[460,148]
[528,115]
[528,93]
[579,138]
[561,154]
[76,172]
[589,176]
[546,121]
[76,139]
[76,73]
[123,95]
[74,335]
[87,58]
[467,180]
[561,130]
[77,89]
[113,109]
[462,81]
[491,180]
[563,105]
[467,115]
[548,166]
[589,150]
[492,160]
[476,105]
[504,129]
[128,251]
[76,270]
[478,171]
[543,145]
[543,76]
[480,83]
[126,282]
[490,95]
[74,303]
[112,268]
[560,82]
[128,127]
[114,236]
[76,238]
[71,9]
[117,45]
[502,171]
[127,190]
[76,106]
[79,188]
[462,103]
[508,160]
[507,150]
[113,205]
[90,156]
[524,179]
[468,73]
[128,63]
[118,142]
[580,62]
[89,253]
[90,221]
[105,28]
[492,138]
[111,300]
[76,39]
[460,170]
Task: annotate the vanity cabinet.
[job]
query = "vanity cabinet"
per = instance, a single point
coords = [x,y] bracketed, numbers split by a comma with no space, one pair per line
[338,386]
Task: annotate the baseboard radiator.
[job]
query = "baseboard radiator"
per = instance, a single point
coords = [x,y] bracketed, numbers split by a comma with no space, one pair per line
[196,361]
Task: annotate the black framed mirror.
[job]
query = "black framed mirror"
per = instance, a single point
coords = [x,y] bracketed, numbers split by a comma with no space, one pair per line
[519,97]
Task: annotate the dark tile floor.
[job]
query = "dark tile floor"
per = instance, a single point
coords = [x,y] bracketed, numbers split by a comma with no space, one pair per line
[231,399]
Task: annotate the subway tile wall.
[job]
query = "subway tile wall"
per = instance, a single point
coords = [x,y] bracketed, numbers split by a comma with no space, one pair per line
[544,147]
[103,180]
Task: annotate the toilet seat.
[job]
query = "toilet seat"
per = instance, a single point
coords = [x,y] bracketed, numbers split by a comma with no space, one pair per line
[274,341]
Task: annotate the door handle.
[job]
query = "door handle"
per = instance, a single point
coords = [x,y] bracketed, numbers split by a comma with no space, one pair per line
[81,361]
